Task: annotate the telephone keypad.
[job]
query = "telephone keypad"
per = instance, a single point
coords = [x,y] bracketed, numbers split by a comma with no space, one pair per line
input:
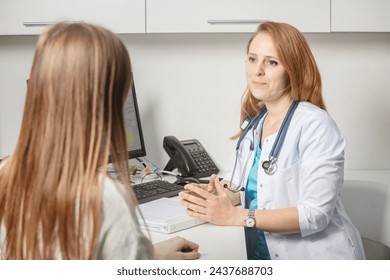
[204,163]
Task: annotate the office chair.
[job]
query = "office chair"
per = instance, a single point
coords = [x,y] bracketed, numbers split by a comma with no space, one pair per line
[368,206]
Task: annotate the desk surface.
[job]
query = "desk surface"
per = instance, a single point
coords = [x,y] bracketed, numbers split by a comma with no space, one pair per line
[215,242]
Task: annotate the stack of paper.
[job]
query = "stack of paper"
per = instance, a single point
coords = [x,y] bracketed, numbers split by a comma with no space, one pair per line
[166,215]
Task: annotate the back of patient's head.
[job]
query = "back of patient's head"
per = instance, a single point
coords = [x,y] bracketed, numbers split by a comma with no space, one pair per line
[77,86]
[50,187]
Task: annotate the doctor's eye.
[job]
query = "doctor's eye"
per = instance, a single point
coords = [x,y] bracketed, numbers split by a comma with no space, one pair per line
[272,62]
[251,58]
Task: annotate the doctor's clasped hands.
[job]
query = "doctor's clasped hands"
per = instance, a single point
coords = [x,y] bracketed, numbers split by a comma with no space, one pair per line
[210,202]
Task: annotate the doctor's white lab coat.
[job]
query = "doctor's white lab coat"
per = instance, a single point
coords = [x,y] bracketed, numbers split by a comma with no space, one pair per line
[309,177]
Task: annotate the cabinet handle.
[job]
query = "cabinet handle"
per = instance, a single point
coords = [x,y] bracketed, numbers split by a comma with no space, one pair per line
[38,23]
[43,23]
[236,21]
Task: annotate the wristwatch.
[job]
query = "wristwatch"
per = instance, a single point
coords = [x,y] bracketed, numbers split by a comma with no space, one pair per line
[250,221]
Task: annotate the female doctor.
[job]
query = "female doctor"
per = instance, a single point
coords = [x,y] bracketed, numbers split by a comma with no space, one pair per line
[288,172]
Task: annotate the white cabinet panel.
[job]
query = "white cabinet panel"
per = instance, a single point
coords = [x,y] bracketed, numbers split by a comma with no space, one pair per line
[31,17]
[360,16]
[191,16]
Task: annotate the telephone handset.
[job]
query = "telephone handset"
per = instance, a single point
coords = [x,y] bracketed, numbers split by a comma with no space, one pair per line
[189,157]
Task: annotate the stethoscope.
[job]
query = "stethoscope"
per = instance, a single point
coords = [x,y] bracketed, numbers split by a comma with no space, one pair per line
[270,166]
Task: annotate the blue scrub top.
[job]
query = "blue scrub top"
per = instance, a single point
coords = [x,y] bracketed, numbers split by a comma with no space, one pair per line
[261,252]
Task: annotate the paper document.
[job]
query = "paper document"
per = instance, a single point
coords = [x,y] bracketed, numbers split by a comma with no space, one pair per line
[166,215]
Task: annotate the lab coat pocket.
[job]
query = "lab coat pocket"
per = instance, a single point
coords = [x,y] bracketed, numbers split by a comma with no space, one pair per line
[286,184]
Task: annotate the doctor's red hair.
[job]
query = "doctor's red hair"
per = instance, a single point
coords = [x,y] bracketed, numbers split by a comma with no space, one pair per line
[294,53]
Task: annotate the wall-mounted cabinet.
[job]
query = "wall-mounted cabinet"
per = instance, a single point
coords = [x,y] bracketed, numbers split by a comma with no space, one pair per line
[203,16]
[360,16]
[19,17]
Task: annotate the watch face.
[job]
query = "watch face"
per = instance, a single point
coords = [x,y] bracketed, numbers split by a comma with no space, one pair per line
[250,222]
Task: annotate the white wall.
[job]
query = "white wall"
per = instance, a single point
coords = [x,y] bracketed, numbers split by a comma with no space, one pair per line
[190,85]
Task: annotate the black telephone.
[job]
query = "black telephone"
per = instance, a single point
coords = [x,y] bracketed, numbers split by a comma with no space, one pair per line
[189,157]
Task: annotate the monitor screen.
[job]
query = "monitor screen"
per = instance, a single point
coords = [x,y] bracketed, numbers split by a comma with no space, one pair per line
[135,140]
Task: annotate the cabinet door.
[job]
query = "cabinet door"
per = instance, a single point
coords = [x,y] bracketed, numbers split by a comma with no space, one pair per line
[31,17]
[186,16]
[360,16]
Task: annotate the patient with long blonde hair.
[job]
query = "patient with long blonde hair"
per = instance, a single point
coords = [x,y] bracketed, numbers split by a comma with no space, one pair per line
[56,200]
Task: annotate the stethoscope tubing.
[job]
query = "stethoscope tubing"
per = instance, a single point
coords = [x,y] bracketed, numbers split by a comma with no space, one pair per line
[275,151]
[251,125]
[238,187]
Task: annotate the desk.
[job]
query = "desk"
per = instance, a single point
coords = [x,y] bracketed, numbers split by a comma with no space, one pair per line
[215,242]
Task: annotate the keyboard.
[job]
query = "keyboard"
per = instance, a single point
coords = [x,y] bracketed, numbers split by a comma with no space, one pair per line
[153,190]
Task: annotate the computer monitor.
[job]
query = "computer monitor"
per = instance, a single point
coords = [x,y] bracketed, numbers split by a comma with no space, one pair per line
[134,136]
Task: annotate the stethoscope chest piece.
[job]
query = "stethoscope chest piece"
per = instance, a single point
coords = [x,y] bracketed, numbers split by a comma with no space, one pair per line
[269,166]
